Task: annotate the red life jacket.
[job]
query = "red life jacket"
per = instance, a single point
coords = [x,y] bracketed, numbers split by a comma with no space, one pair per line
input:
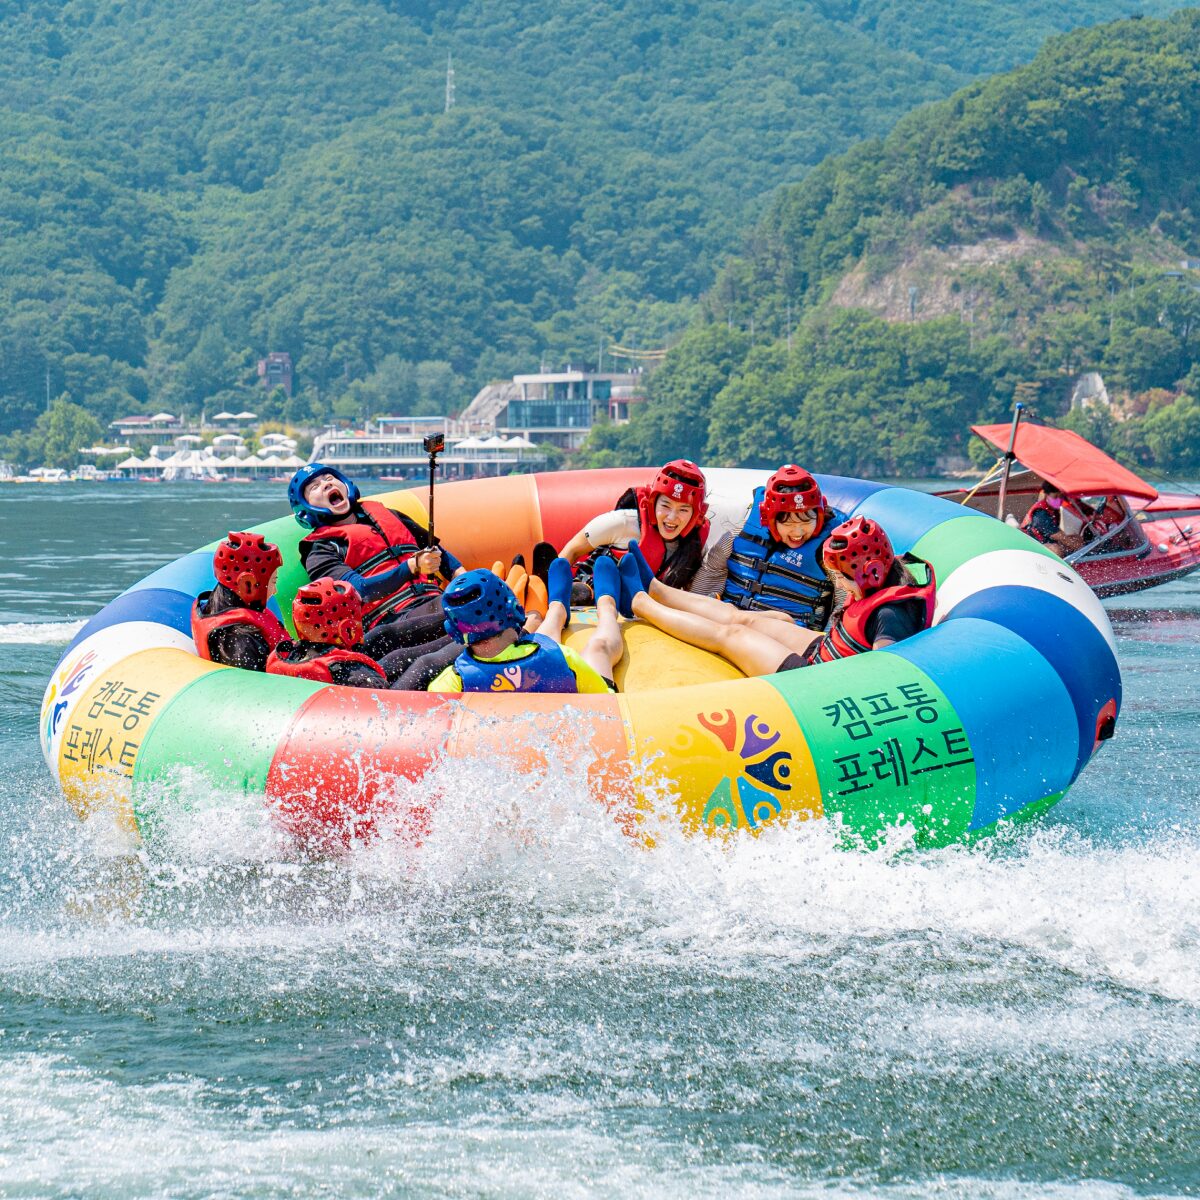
[317,668]
[654,549]
[267,623]
[370,554]
[849,632]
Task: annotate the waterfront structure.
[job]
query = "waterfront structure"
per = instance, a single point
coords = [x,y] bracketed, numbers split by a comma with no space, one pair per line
[559,408]
[394,448]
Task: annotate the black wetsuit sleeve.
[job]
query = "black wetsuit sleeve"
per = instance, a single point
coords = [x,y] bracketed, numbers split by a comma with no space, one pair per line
[325,559]
[239,646]
[352,674]
[893,621]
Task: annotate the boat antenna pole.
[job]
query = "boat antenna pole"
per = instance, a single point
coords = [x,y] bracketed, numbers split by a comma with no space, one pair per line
[1018,409]
[435,443]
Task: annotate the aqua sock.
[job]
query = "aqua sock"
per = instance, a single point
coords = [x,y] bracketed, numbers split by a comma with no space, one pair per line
[631,584]
[558,582]
[606,581]
[644,572]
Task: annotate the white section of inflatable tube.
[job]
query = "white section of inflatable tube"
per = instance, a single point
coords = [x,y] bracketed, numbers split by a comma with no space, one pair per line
[1021,568]
[730,490]
[106,647]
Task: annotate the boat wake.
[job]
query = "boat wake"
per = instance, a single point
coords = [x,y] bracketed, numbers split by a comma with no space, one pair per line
[39,633]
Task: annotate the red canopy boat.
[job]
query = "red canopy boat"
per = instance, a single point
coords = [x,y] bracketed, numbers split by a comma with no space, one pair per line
[1145,538]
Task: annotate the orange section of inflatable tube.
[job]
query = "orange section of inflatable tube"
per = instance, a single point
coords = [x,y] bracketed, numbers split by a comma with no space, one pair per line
[489,517]
[570,499]
[101,742]
[537,736]
[733,757]
[348,759]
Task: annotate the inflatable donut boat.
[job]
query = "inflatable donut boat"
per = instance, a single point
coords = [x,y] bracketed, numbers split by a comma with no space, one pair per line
[988,715]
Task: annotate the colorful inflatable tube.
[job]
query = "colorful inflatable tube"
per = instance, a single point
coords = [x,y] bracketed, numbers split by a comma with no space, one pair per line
[988,715]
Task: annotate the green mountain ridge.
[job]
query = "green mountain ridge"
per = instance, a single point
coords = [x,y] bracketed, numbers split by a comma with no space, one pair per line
[1026,229]
[186,186]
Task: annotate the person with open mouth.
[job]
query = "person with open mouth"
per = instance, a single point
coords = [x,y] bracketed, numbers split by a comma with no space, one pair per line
[388,560]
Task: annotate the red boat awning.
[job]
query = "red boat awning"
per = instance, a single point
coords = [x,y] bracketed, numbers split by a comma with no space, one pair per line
[1068,461]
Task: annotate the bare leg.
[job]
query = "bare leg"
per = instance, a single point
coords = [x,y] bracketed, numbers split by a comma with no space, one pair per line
[605,646]
[703,606]
[752,651]
[554,622]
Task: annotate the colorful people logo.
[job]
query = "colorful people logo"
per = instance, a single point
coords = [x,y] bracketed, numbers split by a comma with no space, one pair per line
[66,683]
[755,794]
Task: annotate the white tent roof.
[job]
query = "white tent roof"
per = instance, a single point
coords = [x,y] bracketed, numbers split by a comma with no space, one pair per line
[129,463]
[224,416]
[162,417]
[520,443]
[232,461]
[247,416]
[493,443]
[291,461]
[252,461]
[471,443]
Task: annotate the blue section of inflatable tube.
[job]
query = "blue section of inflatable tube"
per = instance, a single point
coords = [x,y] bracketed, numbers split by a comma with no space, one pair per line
[1014,709]
[160,605]
[193,574]
[845,493]
[909,516]
[1065,638]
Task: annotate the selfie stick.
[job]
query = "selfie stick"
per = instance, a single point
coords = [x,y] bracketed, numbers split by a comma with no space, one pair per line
[435,443]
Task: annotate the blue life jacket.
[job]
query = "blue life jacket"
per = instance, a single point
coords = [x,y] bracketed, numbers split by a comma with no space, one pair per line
[545,670]
[765,574]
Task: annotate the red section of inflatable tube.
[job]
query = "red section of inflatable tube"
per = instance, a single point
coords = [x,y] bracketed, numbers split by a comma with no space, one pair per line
[348,761]
[569,499]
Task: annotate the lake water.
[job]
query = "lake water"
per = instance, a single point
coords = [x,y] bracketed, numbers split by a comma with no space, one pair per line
[537,1008]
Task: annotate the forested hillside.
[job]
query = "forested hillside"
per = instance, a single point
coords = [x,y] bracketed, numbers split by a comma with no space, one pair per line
[185,186]
[1033,226]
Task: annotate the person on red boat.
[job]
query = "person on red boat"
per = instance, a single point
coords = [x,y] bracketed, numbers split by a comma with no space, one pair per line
[667,517]
[327,616]
[231,624]
[384,555]
[884,604]
[1059,522]
[774,563]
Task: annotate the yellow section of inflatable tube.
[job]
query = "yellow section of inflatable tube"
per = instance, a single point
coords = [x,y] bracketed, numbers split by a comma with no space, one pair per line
[733,756]
[653,659]
[101,742]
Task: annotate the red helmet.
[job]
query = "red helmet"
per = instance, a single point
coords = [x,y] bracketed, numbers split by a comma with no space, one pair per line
[790,489]
[246,564]
[682,481]
[860,549]
[329,612]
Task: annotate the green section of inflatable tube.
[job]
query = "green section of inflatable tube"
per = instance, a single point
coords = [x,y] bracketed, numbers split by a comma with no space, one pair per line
[226,727]
[286,533]
[888,747]
[953,542]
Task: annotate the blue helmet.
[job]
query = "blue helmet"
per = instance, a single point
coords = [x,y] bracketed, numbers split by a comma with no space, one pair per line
[480,605]
[305,513]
